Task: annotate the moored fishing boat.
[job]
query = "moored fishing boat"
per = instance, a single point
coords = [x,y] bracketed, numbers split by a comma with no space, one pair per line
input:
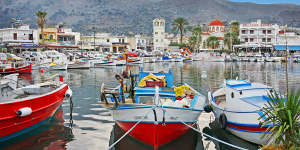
[8,69]
[104,62]
[158,110]
[23,109]
[242,121]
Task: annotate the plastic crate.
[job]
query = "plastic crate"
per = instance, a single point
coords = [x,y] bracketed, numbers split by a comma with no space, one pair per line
[154,83]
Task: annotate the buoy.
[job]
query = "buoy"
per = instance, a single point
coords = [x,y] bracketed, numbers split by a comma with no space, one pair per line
[61,78]
[223,121]
[204,75]
[68,93]
[24,111]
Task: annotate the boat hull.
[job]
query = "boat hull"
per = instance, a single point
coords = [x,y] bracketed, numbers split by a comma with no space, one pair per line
[26,69]
[59,67]
[155,135]
[157,128]
[43,107]
[243,124]
[79,65]
[109,63]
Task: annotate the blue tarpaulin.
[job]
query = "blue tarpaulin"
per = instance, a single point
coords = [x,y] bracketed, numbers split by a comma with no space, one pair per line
[290,47]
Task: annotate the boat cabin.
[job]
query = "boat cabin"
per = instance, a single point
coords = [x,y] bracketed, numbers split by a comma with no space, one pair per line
[145,94]
[241,95]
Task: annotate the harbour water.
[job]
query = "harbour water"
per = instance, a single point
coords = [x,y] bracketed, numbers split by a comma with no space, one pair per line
[83,124]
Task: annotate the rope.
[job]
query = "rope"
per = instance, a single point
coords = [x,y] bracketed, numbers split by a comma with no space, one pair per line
[112,145]
[234,146]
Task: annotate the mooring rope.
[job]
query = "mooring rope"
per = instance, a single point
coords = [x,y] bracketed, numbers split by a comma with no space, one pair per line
[112,145]
[234,146]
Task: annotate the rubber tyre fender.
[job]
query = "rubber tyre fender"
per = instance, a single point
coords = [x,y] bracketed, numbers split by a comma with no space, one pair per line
[223,121]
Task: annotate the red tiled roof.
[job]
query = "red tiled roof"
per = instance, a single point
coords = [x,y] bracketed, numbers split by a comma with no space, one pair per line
[216,23]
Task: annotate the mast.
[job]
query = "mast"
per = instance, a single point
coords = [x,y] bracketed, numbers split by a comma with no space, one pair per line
[286,61]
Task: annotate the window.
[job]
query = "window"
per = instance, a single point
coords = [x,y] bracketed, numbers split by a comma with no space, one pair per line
[107,40]
[123,41]
[243,31]
[30,36]
[269,40]
[264,31]
[246,39]
[15,36]
[263,39]
[156,32]
[41,36]
[156,40]
[251,39]
[269,31]
[51,37]
[119,40]
[251,31]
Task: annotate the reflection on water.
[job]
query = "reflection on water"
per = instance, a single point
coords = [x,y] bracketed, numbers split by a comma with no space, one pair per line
[87,125]
[51,135]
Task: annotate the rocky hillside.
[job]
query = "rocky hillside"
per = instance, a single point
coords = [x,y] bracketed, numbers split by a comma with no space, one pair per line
[123,16]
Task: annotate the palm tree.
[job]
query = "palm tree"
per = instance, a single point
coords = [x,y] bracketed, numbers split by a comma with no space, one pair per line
[235,28]
[179,24]
[284,113]
[227,40]
[41,20]
[213,42]
[197,31]
[192,42]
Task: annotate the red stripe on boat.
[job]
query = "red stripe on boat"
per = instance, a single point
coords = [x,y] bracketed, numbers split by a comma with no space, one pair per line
[155,135]
[26,69]
[247,128]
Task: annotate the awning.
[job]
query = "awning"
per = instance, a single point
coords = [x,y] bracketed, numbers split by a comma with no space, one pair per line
[290,47]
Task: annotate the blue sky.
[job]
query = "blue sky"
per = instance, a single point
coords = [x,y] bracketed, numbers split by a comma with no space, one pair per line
[270,1]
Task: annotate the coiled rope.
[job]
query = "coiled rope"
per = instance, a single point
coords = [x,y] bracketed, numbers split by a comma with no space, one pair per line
[234,146]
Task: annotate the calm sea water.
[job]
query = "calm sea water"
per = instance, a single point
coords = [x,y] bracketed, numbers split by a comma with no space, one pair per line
[84,125]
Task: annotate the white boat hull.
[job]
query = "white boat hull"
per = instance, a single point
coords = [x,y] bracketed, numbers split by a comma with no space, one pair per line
[79,65]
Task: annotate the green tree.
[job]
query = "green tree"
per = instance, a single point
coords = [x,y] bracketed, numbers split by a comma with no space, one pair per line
[284,114]
[179,24]
[41,20]
[231,39]
[197,32]
[213,42]
[192,42]
[235,28]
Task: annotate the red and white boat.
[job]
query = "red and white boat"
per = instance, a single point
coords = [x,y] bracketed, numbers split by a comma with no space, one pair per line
[159,115]
[10,69]
[26,108]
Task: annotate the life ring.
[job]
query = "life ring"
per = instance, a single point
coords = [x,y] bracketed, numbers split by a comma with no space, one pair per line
[222,121]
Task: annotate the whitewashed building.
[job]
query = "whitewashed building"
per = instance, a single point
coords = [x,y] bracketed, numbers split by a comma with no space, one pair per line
[65,36]
[104,42]
[18,35]
[256,34]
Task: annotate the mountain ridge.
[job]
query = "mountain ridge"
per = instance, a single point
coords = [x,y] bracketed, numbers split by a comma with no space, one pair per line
[136,15]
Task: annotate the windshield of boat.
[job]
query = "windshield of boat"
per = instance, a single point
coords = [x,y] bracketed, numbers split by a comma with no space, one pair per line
[148,100]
